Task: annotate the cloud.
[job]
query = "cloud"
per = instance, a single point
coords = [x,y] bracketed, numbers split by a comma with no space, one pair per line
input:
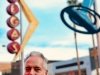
[83,41]
[50,53]
[4,55]
[57,53]
[86,39]
[45,4]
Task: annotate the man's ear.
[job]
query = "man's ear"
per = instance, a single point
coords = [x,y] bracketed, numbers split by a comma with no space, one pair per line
[46,72]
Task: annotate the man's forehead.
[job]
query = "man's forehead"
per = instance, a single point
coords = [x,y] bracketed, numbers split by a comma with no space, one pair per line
[34,59]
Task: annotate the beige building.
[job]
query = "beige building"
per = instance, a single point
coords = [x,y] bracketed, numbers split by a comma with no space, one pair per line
[68,67]
[10,68]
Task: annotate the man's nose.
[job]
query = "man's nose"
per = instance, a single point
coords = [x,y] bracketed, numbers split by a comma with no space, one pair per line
[33,72]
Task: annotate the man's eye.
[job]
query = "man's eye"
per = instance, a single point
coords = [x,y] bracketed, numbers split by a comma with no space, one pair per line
[37,69]
[28,68]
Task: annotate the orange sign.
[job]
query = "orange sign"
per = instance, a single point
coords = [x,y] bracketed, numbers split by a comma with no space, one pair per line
[13,21]
[12,9]
[13,34]
[12,1]
[13,47]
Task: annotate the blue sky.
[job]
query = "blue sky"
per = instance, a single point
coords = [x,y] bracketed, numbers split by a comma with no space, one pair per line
[51,33]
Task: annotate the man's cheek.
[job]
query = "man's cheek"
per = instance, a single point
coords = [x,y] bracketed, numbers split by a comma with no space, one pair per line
[26,73]
[44,73]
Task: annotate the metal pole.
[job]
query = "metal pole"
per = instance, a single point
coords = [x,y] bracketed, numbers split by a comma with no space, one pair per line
[98,34]
[77,53]
[97,64]
[74,2]
[95,56]
[22,54]
[93,41]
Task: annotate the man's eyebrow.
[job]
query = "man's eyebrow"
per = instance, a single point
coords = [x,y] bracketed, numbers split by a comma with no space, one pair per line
[37,67]
[27,66]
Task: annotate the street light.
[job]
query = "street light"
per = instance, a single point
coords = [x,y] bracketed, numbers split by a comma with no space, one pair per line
[72,2]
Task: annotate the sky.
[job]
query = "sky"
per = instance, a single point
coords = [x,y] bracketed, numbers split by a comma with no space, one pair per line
[51,37]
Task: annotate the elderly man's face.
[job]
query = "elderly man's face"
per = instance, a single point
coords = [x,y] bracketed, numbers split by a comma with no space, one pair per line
[35,66]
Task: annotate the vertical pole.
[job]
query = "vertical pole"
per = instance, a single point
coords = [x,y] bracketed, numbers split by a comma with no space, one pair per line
[98,34]
[22,54]
[96,62]
[95,54]
[77,53]
[93,41]
[74,2]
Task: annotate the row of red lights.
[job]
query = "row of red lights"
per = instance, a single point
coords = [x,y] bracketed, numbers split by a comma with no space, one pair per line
[13,34]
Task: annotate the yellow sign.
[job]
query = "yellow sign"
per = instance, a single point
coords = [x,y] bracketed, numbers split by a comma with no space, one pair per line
[31,28]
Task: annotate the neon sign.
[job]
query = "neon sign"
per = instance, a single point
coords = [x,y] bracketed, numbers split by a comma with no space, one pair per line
[79,15]
[13,34]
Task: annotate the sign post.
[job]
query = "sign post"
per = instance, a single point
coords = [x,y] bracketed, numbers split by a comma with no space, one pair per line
[98,25]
